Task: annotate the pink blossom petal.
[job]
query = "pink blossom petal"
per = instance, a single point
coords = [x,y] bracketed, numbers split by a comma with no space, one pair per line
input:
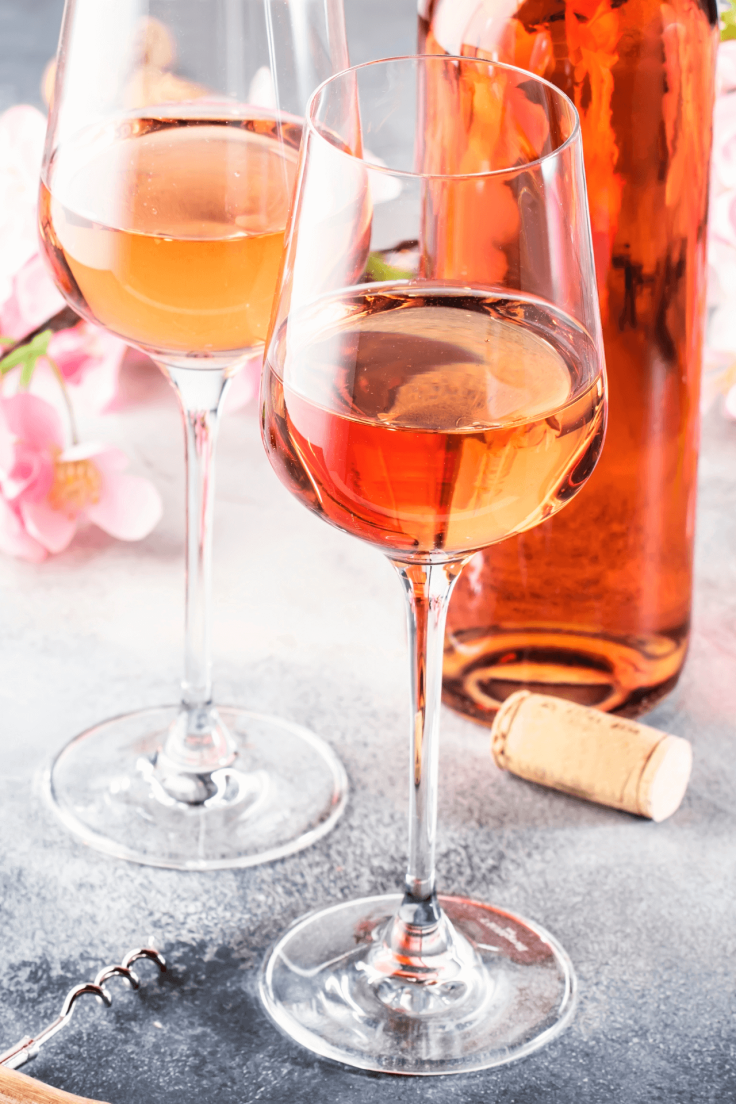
[724,141]
[30,476]
[7,448]
[726,67]
[244,385]
[35,298]
[723,219]
[722,273]
[22,132]
[731,403]
[106,459]
[722,329]
[34,421]
[52,528]
[14,540]
[719,371]
[12,322]
[90,360]
[129,506]
[97,391]
[68,351]
[24,128]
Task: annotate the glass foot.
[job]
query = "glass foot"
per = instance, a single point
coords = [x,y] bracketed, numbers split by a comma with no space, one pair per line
[338,983]
[283,790]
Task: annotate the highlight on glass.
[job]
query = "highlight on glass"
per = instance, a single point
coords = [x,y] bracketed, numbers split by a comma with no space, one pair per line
[170,162]
[433,384]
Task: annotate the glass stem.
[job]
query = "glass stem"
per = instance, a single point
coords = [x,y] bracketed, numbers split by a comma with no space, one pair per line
[198,741]
[428,588]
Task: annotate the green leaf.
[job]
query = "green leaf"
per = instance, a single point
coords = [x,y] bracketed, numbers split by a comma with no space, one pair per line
[377,269]
[728,23]
[26,357]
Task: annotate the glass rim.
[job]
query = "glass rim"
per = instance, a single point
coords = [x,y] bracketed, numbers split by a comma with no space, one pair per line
[311,127]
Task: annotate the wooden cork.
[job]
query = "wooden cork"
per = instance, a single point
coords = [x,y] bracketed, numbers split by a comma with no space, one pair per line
[590,754]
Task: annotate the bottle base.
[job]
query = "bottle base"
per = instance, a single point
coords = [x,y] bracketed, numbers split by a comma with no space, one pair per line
[627,676]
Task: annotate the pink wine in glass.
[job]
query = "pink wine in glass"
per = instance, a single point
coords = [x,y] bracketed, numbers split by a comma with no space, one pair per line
[169,231]
[168,172]
[430,420]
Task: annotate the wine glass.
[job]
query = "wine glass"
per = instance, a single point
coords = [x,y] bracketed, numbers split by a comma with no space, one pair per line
[170,161]
[433,383]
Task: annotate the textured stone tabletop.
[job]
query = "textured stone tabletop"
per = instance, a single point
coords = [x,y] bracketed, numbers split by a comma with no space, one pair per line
[310,624]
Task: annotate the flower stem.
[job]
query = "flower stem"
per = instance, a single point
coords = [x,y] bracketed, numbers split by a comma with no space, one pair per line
[67,399]
[64,319]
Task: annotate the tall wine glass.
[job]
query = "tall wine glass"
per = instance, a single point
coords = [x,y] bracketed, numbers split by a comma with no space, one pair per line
[169,168]
[433,383]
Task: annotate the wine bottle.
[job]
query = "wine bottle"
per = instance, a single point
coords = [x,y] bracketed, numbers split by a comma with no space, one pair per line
[594,605]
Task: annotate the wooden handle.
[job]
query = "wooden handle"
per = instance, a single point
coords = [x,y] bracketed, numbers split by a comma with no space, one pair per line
[16,1088]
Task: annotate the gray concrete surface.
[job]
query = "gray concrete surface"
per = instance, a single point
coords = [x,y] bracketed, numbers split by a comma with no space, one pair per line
[310,623]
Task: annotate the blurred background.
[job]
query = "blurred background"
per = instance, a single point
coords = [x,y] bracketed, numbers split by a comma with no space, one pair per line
[29,30]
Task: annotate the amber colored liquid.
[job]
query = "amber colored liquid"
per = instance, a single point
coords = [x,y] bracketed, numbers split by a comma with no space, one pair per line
[595,604]
[169,232]
[432,421]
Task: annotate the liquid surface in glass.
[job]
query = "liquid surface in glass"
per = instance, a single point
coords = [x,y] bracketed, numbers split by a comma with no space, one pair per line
[428,420]
[169,232]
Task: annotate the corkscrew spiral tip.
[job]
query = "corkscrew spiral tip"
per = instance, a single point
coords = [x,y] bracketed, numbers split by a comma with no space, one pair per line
[28,1047]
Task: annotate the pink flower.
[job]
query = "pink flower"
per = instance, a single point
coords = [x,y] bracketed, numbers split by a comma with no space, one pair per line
[721,336]
[726,67]
[88,357]
[33,299]
[723,218]
[724,142]
[22,133]
[244,384]
[48,489]
[730,403]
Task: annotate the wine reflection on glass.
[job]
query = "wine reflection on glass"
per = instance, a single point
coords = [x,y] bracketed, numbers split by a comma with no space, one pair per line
[432,398]
[170,163]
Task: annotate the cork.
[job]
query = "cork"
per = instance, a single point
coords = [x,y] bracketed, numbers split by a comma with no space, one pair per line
[590,754]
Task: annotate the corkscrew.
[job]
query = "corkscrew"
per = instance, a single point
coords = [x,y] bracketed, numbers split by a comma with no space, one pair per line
[28,1047]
